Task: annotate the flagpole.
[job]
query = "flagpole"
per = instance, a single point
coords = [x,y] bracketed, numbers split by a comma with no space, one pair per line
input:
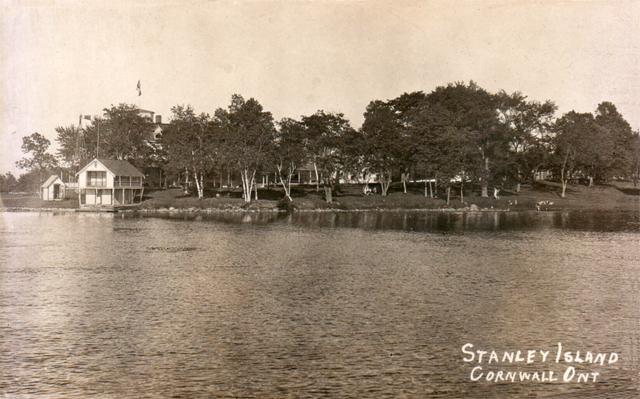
[98,141]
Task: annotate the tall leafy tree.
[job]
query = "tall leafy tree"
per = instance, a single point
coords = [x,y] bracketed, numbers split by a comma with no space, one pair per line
[575,145]
[189,142]
[598,147]
[474,111]
[385,142]
[529,128]
[351,145]
[36,145]
[249,134]
[387,136]
[439,147]
[289,153]
[38,161]
[122,134]
[324,135]
[618,140]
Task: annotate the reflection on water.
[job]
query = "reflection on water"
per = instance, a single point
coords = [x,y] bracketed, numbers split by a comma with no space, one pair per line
[420,221]
[362,304]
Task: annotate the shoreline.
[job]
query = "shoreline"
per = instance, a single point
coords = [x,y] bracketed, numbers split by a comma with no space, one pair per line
[541,197]
[317,210]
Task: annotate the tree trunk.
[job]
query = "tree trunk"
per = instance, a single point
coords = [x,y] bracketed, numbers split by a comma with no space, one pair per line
[286,185]
[448,194]
[328,194]
[564,180]
[199,178]
[247,184]
[404,181]
[287,189]
[186,188]
[462,192]
[201,192]
[518,187]
[385,183]
[485,181]
[315,167]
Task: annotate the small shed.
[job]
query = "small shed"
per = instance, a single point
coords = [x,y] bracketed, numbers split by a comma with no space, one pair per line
[53,189]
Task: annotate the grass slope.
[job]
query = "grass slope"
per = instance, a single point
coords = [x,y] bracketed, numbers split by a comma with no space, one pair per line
[618,197]
[543,195]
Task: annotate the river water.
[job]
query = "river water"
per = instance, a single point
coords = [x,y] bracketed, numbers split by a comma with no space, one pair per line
[310,305]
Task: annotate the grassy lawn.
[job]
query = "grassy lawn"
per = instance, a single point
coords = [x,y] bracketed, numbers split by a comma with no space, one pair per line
[351,197]
[543,195]
[22,200]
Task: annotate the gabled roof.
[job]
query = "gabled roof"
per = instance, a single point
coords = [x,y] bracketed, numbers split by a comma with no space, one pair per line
[118,168]
[121,168]
[50,181]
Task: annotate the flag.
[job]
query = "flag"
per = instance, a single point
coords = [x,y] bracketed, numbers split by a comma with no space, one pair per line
[139,89]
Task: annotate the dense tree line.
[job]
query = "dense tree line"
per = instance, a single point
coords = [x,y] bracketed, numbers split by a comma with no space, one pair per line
[457,134]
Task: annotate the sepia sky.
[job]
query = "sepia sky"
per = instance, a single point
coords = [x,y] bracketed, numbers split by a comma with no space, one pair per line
[60,59]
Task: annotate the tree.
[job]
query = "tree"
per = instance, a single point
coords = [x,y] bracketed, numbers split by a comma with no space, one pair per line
[40,161]
[324,135]
[574,144]
[385,142]
[351,145]
[440,148]
[76,147]
[289,151]
[529,124]
[190,144]
[8,183]
[474,111]
[618,136]
[599,147]
[635,158]
[122,134]
[249,135]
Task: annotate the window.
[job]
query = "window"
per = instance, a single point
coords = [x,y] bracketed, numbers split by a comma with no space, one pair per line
[96,179]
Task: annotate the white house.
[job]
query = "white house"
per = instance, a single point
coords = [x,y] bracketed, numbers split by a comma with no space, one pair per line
[53,189]
[109,184]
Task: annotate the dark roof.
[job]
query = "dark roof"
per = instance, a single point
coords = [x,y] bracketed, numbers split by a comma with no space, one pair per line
[121,168]
[50,181]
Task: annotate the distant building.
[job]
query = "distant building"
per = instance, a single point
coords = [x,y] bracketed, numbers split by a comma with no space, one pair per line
[109,184]
[156,135]
[155,177]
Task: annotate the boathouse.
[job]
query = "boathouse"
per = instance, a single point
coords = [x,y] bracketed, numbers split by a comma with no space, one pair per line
[109,184]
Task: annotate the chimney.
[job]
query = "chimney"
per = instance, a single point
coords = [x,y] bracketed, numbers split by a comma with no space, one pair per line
[158,119]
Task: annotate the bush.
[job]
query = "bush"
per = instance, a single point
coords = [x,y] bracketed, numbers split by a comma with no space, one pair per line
[285,205]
